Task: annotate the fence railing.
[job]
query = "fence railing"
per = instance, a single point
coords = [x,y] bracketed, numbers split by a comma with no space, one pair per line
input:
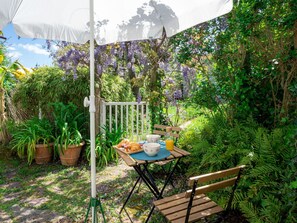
[131,117]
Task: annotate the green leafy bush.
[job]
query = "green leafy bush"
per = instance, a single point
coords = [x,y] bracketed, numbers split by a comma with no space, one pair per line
[48,85]
[266,192]
[105,153]
[115,88]
[29,133]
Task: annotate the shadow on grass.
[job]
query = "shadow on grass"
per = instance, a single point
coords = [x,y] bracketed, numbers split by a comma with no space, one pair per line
[56,192]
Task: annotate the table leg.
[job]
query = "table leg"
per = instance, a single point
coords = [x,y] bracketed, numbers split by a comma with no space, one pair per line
[147,181]
[152,180]
[131,192]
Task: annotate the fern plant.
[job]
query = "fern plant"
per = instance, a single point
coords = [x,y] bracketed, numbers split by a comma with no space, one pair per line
[266,192]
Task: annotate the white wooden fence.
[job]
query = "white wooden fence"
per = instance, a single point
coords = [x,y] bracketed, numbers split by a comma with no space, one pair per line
[131,117]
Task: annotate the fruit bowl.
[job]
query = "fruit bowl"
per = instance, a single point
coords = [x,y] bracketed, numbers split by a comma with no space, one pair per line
[151,149]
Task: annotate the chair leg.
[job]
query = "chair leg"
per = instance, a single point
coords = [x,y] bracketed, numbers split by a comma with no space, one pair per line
[148,217]
[128,215]
[166,173]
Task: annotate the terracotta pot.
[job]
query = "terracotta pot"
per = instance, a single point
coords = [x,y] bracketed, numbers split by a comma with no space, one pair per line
[70,156]
[43,153]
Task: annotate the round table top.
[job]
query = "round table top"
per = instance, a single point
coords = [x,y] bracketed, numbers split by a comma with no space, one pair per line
[162,154]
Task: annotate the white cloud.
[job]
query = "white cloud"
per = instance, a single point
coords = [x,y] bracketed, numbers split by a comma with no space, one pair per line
[15,55]
[34,48]
[54,47]
[11,48]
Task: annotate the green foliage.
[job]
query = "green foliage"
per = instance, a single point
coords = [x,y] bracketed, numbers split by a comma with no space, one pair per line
[29,133]
[49,85]
[69,125]
[115,88]
[105,153]
[266,192]
[246,60]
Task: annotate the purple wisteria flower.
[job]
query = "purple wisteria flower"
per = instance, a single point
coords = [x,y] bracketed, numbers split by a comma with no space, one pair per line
[129,65]
[178,94]
[99,69]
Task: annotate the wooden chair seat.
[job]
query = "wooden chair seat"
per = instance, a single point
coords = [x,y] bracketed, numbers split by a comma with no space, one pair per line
[193,204]
[174,208]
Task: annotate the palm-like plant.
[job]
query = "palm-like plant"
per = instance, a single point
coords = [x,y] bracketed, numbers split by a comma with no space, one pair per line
[26,135]
[68,125]
[9,72]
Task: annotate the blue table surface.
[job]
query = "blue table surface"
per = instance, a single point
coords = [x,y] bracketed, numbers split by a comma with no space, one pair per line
[162,154]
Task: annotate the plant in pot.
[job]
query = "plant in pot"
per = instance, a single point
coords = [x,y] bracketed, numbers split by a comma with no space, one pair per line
[33,138]
[69,123]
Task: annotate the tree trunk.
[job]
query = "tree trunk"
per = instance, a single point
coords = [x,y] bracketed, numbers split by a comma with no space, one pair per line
[2,108]
[2,116]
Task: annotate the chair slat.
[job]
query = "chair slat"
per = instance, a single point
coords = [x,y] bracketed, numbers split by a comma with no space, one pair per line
[158,132]
[184,205]
[184,152]
[157,126]
[212,187]
[194,209]
[215,175]
[169,199]
[161,130]
[176,201]
[202,214]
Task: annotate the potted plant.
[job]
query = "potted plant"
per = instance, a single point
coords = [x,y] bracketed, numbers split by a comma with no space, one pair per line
[68,124]
[33,138]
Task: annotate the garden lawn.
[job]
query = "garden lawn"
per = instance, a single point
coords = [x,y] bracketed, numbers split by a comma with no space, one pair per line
[53,193]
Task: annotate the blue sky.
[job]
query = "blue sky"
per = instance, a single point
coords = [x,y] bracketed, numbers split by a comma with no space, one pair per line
[29,52]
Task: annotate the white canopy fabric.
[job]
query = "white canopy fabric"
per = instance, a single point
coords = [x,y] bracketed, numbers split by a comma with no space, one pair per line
[115,20]
[107,21]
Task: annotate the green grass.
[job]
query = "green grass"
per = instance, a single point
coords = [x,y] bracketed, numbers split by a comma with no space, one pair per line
[66,190]
[183,114]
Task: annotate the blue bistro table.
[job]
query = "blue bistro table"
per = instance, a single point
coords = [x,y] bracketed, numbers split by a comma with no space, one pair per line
[140,162]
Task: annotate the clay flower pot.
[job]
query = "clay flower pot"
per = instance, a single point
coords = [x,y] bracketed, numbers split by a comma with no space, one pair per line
[43,153]
[70,156]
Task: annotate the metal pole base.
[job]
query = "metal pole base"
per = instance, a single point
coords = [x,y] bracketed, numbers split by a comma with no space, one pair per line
[95,202]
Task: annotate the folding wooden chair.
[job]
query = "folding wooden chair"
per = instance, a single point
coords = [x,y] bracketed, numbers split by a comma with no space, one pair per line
[193,205]
[161,130]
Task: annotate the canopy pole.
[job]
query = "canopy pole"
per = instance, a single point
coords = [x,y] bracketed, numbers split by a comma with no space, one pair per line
[92,110]
[94,201]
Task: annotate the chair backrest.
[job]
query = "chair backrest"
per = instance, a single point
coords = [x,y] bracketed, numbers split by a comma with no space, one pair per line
[161,130]
[214,176]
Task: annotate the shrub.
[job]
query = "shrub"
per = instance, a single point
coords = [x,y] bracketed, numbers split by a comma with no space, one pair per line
[105,153]
[267,190]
